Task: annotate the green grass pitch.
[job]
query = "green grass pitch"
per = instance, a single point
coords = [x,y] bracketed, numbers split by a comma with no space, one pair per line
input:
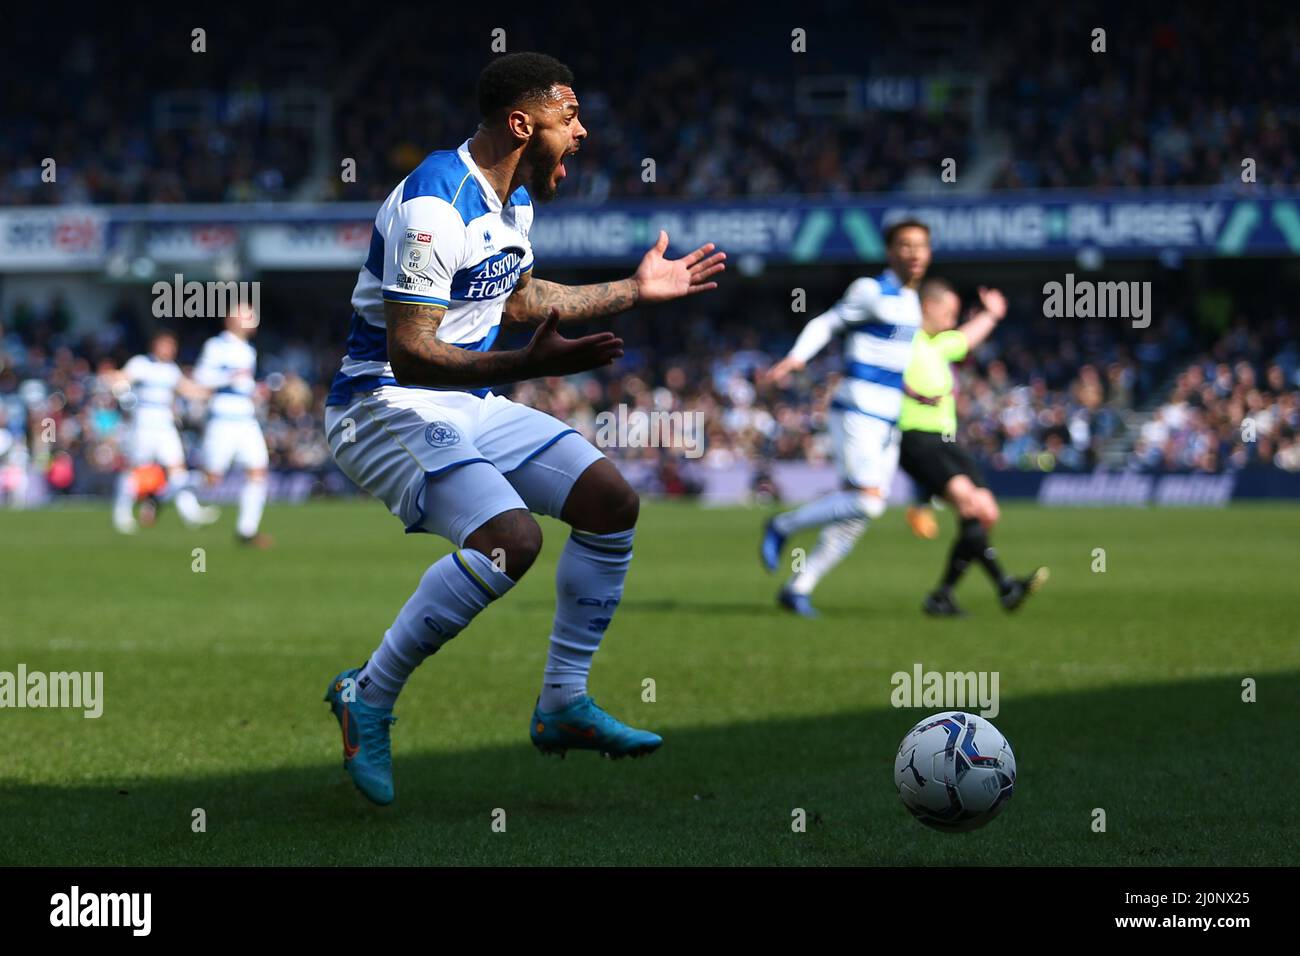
[1120,690]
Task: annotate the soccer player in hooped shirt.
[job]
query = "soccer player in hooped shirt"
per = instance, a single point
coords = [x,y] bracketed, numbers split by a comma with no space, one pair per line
[411,417]
[931,455]
[233,437]
[155,380]
[878,318]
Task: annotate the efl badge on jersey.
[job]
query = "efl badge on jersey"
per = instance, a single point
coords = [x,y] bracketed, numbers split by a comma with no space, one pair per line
[417,251]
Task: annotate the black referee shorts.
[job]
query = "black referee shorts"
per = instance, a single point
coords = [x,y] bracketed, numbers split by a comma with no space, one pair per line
[932,462]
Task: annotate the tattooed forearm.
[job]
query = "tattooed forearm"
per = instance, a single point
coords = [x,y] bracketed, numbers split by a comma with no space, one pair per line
[533,299]
[418,358]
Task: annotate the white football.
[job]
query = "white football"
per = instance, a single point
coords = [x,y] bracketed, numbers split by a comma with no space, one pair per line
[955,771]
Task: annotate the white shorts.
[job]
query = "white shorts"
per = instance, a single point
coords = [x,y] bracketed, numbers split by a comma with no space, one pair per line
[865,448]
[446,462]
[230,442]
[158,443]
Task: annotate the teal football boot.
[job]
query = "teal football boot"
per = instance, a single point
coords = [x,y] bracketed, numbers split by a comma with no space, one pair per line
[367,753]
[584,726]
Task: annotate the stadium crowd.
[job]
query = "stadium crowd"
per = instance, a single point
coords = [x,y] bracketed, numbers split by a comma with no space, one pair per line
[1033,398]
[1180,98]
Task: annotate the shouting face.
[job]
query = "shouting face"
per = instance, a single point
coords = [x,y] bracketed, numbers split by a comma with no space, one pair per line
[556,134]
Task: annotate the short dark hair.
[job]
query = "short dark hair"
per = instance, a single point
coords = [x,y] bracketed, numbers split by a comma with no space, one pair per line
[902,224]
[517,78]
[934,287]
[163,333]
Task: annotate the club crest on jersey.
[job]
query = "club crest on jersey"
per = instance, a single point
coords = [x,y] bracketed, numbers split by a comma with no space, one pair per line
[440,435]
[417,250]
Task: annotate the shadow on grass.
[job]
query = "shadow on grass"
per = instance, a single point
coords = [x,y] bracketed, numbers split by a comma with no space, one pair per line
[1185,772]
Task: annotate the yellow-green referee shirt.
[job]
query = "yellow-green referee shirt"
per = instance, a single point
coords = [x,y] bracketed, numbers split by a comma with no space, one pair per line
[929,374]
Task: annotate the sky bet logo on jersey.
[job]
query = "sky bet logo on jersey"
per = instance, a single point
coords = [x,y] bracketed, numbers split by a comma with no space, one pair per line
[417,253]
[417,250]
[494,276]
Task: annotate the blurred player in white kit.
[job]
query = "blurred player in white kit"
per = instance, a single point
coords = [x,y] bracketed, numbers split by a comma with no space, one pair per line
[155,380]
[233,437]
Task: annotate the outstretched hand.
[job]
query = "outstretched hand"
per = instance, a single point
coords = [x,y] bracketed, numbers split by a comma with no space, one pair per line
[658,279]
[550,353]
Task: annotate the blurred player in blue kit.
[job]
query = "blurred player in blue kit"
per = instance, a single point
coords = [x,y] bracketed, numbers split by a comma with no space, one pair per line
[877,318]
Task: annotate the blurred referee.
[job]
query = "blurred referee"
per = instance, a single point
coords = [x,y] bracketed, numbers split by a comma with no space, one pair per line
[930,455]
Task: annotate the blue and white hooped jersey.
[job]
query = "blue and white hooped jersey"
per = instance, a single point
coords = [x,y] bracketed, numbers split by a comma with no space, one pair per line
[441,237]
[153,382]
[880,317]
[228,365]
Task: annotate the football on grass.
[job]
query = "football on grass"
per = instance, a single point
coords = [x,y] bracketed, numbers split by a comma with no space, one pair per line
[955,771]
